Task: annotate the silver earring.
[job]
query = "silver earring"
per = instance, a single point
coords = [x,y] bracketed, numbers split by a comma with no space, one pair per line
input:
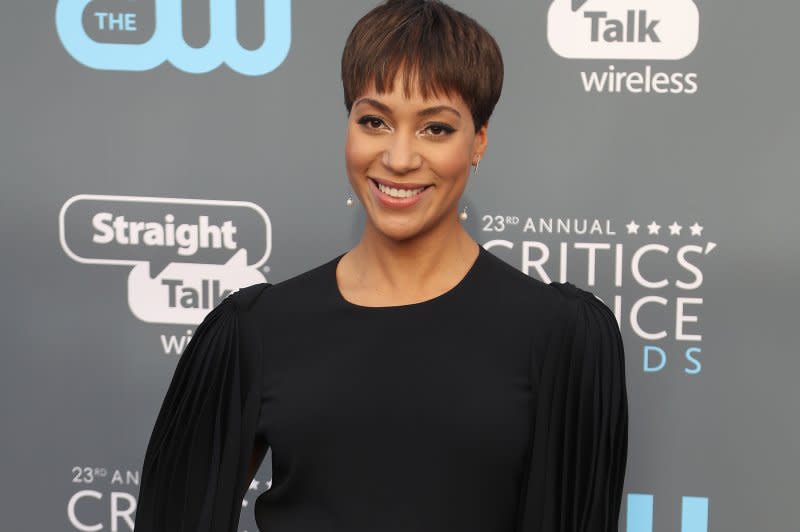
[349,201]
[463,214]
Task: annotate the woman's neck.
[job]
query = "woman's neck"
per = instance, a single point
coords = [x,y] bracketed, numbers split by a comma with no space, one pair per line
[380,270]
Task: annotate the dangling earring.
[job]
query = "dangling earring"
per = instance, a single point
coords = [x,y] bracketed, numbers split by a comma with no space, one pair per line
[463,214]
[349,201]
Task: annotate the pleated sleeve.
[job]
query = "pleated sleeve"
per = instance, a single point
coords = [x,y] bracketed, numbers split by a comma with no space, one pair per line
[579,441]
[194,474]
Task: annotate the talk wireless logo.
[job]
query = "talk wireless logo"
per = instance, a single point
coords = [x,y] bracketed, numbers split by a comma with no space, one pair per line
[639,30]
[139,35]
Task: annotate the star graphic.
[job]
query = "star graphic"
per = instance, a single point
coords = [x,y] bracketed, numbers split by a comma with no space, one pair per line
[696,229]
[653,228]
[675,229]
[633,228]
[254,485]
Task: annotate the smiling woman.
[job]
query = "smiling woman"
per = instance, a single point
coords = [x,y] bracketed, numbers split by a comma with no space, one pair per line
[420,83]
[408,160]
[415,382]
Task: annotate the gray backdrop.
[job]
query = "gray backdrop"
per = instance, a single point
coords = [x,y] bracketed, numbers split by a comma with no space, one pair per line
[685,167]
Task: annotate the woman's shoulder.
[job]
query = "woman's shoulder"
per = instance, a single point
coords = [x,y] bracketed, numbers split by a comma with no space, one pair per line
[580,303]
[511,285]
[298,290]
[563,314]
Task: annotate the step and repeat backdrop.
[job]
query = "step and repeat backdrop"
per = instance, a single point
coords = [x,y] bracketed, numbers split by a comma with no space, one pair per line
[156,155]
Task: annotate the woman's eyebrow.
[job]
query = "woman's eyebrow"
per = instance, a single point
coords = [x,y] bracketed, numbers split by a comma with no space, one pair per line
[374,103]
[425,112]
[438,109]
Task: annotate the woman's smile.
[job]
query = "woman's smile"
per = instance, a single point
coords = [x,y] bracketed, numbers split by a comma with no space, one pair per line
[399,197]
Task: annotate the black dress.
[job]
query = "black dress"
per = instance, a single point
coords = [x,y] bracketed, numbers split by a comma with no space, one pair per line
[497,406]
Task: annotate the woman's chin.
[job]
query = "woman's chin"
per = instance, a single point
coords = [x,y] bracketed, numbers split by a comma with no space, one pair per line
[398,227]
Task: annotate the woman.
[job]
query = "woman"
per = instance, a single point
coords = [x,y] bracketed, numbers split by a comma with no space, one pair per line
[416,382]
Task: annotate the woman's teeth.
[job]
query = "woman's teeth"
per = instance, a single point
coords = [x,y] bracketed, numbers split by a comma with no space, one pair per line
[399,193]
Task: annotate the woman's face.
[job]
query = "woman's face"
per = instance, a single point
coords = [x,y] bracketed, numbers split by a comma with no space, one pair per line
[411,143]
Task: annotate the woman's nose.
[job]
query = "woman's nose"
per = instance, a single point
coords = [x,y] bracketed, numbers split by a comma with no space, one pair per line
[400,156]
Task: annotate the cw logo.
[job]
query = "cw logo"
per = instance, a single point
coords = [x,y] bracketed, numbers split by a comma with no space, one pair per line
[167,42]
[694,513]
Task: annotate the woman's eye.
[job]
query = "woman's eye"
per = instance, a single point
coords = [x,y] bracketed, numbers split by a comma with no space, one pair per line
[439,130]
[371,121]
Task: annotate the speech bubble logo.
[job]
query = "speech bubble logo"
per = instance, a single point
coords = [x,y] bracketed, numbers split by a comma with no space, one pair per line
[167,42]
[187,254]
[130,230]
[184,293]
[623,29]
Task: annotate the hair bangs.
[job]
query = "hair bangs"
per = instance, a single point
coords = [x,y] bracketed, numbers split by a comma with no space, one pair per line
[434,49]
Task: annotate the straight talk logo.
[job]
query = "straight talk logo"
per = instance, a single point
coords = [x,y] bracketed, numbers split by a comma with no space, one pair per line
[651,30]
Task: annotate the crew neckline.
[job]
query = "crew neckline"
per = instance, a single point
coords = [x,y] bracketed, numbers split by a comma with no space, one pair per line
[443,296]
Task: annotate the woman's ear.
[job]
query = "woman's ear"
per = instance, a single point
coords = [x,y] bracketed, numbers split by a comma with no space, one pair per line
[481,140]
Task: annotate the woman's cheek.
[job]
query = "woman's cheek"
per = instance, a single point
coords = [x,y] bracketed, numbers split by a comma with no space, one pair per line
[450,163]
[358,151]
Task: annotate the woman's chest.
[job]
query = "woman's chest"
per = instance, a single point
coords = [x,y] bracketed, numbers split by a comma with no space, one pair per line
[457,382]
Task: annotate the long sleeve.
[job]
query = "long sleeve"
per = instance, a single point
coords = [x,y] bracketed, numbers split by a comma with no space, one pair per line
[580,432]
[195,468]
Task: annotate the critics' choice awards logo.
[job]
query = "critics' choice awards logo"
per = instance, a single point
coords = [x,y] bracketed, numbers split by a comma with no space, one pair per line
[642,30]
[186,255]
[104,498]
[660,267]
[139,35]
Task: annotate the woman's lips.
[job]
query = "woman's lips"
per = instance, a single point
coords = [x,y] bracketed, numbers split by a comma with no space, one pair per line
[396,203]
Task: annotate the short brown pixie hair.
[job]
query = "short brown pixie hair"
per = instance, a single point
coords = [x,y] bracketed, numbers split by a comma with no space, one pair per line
[441,48]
